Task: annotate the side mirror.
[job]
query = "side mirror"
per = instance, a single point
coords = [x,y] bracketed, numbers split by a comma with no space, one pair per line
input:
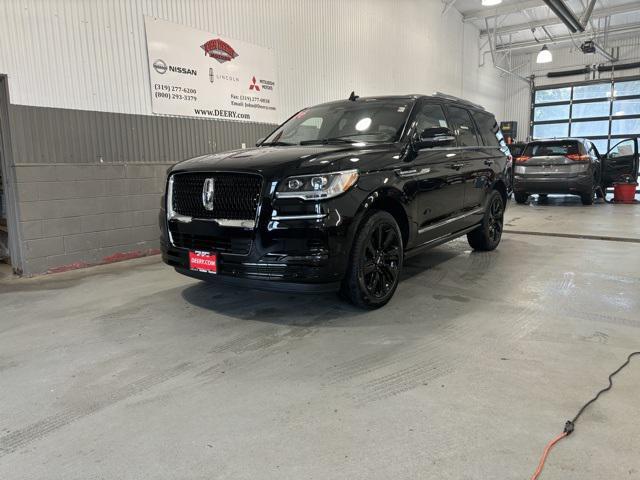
[259,141]
[435,137]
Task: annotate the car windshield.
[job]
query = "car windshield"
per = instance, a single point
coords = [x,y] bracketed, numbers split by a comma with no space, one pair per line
[545,149]
[368,120]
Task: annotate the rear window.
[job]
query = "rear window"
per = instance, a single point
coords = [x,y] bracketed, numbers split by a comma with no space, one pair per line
[545,149]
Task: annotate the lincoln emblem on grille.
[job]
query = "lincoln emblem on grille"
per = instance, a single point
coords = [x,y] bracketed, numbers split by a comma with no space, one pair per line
[208,189]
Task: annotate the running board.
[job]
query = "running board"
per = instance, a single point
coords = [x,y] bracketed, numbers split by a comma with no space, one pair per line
[439,241]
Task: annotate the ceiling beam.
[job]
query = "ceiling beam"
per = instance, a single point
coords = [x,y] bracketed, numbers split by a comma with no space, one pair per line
[566,15]
[532,44]
[600,13]
[487,12]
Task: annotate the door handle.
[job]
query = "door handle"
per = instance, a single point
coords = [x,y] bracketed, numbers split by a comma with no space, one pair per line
[456,166]
[488,163]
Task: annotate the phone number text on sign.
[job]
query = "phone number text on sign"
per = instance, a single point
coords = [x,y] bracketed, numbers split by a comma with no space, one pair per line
[173,92]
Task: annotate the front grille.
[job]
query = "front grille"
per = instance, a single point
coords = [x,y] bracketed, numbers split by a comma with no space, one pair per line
[210,243]
[236,195]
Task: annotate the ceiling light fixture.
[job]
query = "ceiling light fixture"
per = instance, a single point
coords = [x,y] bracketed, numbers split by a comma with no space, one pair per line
[490,3]
[544,55]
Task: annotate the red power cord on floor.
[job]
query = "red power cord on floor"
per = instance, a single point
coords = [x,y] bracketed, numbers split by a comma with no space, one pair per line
[545,453]
[569,426]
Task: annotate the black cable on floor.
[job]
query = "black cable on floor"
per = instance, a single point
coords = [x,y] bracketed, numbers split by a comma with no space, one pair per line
[570,425]
[604,389]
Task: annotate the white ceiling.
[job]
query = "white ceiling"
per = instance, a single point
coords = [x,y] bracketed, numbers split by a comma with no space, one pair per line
[527,13]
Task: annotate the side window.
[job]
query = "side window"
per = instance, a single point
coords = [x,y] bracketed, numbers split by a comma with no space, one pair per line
[430,115]
[464,126]
[488,128]
[593,152]
[623,149]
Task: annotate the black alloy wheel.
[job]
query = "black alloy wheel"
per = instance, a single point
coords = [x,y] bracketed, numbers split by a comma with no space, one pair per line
[376,262]
[381,260]
[488,235]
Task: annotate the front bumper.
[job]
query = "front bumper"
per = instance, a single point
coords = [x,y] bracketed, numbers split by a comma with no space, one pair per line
[288,250]
[573,184]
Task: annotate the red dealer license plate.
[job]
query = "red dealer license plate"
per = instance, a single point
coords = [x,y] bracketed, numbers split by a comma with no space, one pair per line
[203,262]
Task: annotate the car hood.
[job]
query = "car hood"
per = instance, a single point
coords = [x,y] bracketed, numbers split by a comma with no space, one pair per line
[295,160]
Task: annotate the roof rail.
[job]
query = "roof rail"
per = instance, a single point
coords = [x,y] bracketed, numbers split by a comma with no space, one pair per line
[458,99]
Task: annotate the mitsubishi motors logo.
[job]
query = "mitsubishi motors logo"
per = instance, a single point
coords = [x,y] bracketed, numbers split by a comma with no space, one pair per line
[253,85]
[219,49]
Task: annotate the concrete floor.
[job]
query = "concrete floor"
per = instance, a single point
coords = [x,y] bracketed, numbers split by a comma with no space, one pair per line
[132,371]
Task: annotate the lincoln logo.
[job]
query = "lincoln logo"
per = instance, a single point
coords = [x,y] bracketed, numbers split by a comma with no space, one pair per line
[208,189]
[219,49]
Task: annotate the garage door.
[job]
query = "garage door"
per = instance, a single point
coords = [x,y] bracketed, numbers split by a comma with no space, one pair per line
[600,111]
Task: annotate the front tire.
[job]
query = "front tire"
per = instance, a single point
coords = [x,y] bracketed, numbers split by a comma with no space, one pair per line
[375,262]
[487,236]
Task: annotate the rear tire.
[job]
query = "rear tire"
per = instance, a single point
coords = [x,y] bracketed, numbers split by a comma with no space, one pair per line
[375,262]
[587,197]
[487,236]
[521,197]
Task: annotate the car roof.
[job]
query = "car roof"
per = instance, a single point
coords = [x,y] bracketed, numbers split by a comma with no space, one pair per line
[559,139]
[414,97]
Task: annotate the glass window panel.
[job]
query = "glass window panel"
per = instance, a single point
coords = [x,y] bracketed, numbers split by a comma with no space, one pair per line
[629,126]
[553,95]
[488,128]
[623,148]
[551,130]
[586,129]
[552,112]
[601,145]
[591,109]
[626,107]
[599,90]
[466,129]
[623,89]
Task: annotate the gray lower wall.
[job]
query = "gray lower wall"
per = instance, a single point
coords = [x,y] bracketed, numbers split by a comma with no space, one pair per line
[78,215]
[89,184]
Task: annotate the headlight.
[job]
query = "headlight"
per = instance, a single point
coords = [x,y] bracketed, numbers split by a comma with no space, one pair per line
[317,187]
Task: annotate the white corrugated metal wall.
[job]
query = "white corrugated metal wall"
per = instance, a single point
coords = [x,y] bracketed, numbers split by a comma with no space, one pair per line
[91,55]
[517,93]
[89,156]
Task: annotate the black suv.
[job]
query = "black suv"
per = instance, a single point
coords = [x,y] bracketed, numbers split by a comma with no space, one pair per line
[339,195]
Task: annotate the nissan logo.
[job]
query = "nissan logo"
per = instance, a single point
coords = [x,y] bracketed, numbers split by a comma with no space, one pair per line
[160,66]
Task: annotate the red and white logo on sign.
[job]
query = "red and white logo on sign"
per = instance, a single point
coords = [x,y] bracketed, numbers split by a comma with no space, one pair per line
[253,85]
[219,49]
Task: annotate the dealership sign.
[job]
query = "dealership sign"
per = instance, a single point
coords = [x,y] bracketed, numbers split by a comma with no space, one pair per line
[201,74]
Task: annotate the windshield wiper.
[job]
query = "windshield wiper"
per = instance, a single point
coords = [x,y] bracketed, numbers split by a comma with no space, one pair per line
[277,144]
[343,139]
[324,141]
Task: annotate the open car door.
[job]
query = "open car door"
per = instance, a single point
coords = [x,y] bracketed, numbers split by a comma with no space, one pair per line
[620,161]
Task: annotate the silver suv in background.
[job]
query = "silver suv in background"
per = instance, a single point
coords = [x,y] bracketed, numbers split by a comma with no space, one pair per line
[569,165]
[572,166]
